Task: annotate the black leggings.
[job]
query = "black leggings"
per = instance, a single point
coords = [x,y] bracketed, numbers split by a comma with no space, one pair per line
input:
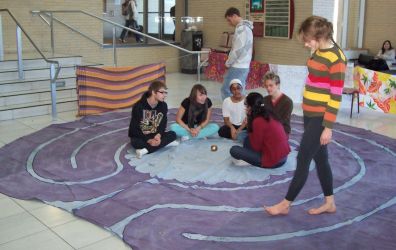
[166,138]
[310,148]
[225,131]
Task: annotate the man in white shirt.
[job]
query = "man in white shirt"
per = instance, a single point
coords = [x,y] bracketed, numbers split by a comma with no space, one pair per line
[239,58]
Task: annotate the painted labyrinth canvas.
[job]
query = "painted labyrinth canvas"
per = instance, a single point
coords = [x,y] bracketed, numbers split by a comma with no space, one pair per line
[189,197]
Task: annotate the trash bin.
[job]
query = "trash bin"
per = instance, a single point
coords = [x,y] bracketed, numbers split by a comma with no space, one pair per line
[193,41]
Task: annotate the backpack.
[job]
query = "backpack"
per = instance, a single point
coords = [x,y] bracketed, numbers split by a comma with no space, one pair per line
[124,8]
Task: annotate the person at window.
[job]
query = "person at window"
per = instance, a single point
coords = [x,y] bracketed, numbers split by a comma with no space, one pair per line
[267,144]
[321,102]
[147,128]
[234,114]
[239,58]
[173,16]
[278,102]
[193,116]
[131,15]
[387,52]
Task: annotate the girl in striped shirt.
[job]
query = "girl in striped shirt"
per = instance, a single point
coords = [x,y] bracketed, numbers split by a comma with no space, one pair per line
[321,101]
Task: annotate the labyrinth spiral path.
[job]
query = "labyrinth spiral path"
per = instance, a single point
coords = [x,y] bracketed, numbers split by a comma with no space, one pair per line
[86,167]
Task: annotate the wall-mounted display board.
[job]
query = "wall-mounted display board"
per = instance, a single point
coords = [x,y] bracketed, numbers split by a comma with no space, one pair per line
[271,18]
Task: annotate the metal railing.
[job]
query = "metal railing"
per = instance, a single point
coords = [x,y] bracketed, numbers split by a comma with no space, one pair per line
[54,71]
[50,14]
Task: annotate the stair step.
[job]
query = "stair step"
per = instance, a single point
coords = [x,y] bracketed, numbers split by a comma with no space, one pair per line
[67,71]
[21,97]
[39,63]
[33,84]
[37,108]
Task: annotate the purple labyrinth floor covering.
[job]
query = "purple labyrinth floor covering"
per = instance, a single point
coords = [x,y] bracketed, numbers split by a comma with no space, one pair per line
[188,197]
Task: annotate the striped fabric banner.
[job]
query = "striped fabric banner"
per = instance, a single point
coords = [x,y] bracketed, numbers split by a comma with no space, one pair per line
[102,89]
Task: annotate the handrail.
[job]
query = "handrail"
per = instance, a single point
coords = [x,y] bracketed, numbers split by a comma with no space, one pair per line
[118,25]
[54,72]
[68,26]
[30,39]
[49,13]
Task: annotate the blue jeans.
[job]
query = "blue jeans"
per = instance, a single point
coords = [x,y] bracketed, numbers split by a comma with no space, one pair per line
[246,153]
[234,73]
[208,130]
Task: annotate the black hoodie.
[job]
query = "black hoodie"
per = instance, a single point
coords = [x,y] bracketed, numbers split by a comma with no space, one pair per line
[146,121]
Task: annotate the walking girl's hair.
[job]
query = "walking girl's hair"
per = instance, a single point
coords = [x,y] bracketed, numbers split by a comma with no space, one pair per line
[316,28]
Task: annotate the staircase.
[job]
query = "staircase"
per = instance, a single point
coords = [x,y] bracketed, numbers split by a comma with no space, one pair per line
[32,95]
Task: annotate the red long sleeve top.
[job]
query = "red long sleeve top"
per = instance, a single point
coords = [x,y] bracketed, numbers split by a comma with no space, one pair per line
[269,138]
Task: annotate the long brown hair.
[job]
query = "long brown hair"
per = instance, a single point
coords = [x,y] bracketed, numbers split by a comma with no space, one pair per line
[194,92]
[383,48]
[196,108]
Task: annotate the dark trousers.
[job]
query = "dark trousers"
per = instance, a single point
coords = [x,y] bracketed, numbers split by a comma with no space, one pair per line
[225,131]
[246,153]
[166,138]
[130,24]
[310,148]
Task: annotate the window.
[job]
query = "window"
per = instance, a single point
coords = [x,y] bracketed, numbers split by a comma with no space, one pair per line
[153,15]
[157,17]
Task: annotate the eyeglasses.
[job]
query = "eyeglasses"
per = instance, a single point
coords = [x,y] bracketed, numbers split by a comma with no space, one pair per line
[163,92]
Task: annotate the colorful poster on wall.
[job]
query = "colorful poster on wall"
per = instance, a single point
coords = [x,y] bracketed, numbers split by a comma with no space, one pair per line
[377,90]
[256,6]
[255,10]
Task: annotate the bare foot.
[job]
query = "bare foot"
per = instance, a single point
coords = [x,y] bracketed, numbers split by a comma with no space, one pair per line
[282,208]
[325,208]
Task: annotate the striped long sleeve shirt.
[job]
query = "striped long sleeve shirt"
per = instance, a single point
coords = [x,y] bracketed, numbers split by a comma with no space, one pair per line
[323,87]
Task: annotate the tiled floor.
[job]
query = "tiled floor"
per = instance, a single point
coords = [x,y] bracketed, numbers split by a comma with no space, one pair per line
[34,225]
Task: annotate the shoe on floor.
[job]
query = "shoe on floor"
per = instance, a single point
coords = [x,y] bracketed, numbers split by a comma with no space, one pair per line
[185,138]
[173,144]
[141,152]
[240,163]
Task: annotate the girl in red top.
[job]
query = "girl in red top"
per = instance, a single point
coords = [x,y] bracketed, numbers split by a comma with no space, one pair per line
[266,145]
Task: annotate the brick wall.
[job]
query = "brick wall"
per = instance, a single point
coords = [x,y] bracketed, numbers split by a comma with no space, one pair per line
[380,24]
[380,21]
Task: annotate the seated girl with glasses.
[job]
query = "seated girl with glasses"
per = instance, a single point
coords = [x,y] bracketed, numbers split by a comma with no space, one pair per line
[266,145]
[192,118]
[147,128]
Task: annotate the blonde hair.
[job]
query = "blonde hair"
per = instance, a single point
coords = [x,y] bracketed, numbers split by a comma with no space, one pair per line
[272,76]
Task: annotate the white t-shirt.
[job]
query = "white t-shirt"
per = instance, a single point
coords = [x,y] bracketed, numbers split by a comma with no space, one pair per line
[235,111]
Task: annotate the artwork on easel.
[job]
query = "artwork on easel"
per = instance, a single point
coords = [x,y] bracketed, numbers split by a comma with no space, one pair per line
[257,6]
